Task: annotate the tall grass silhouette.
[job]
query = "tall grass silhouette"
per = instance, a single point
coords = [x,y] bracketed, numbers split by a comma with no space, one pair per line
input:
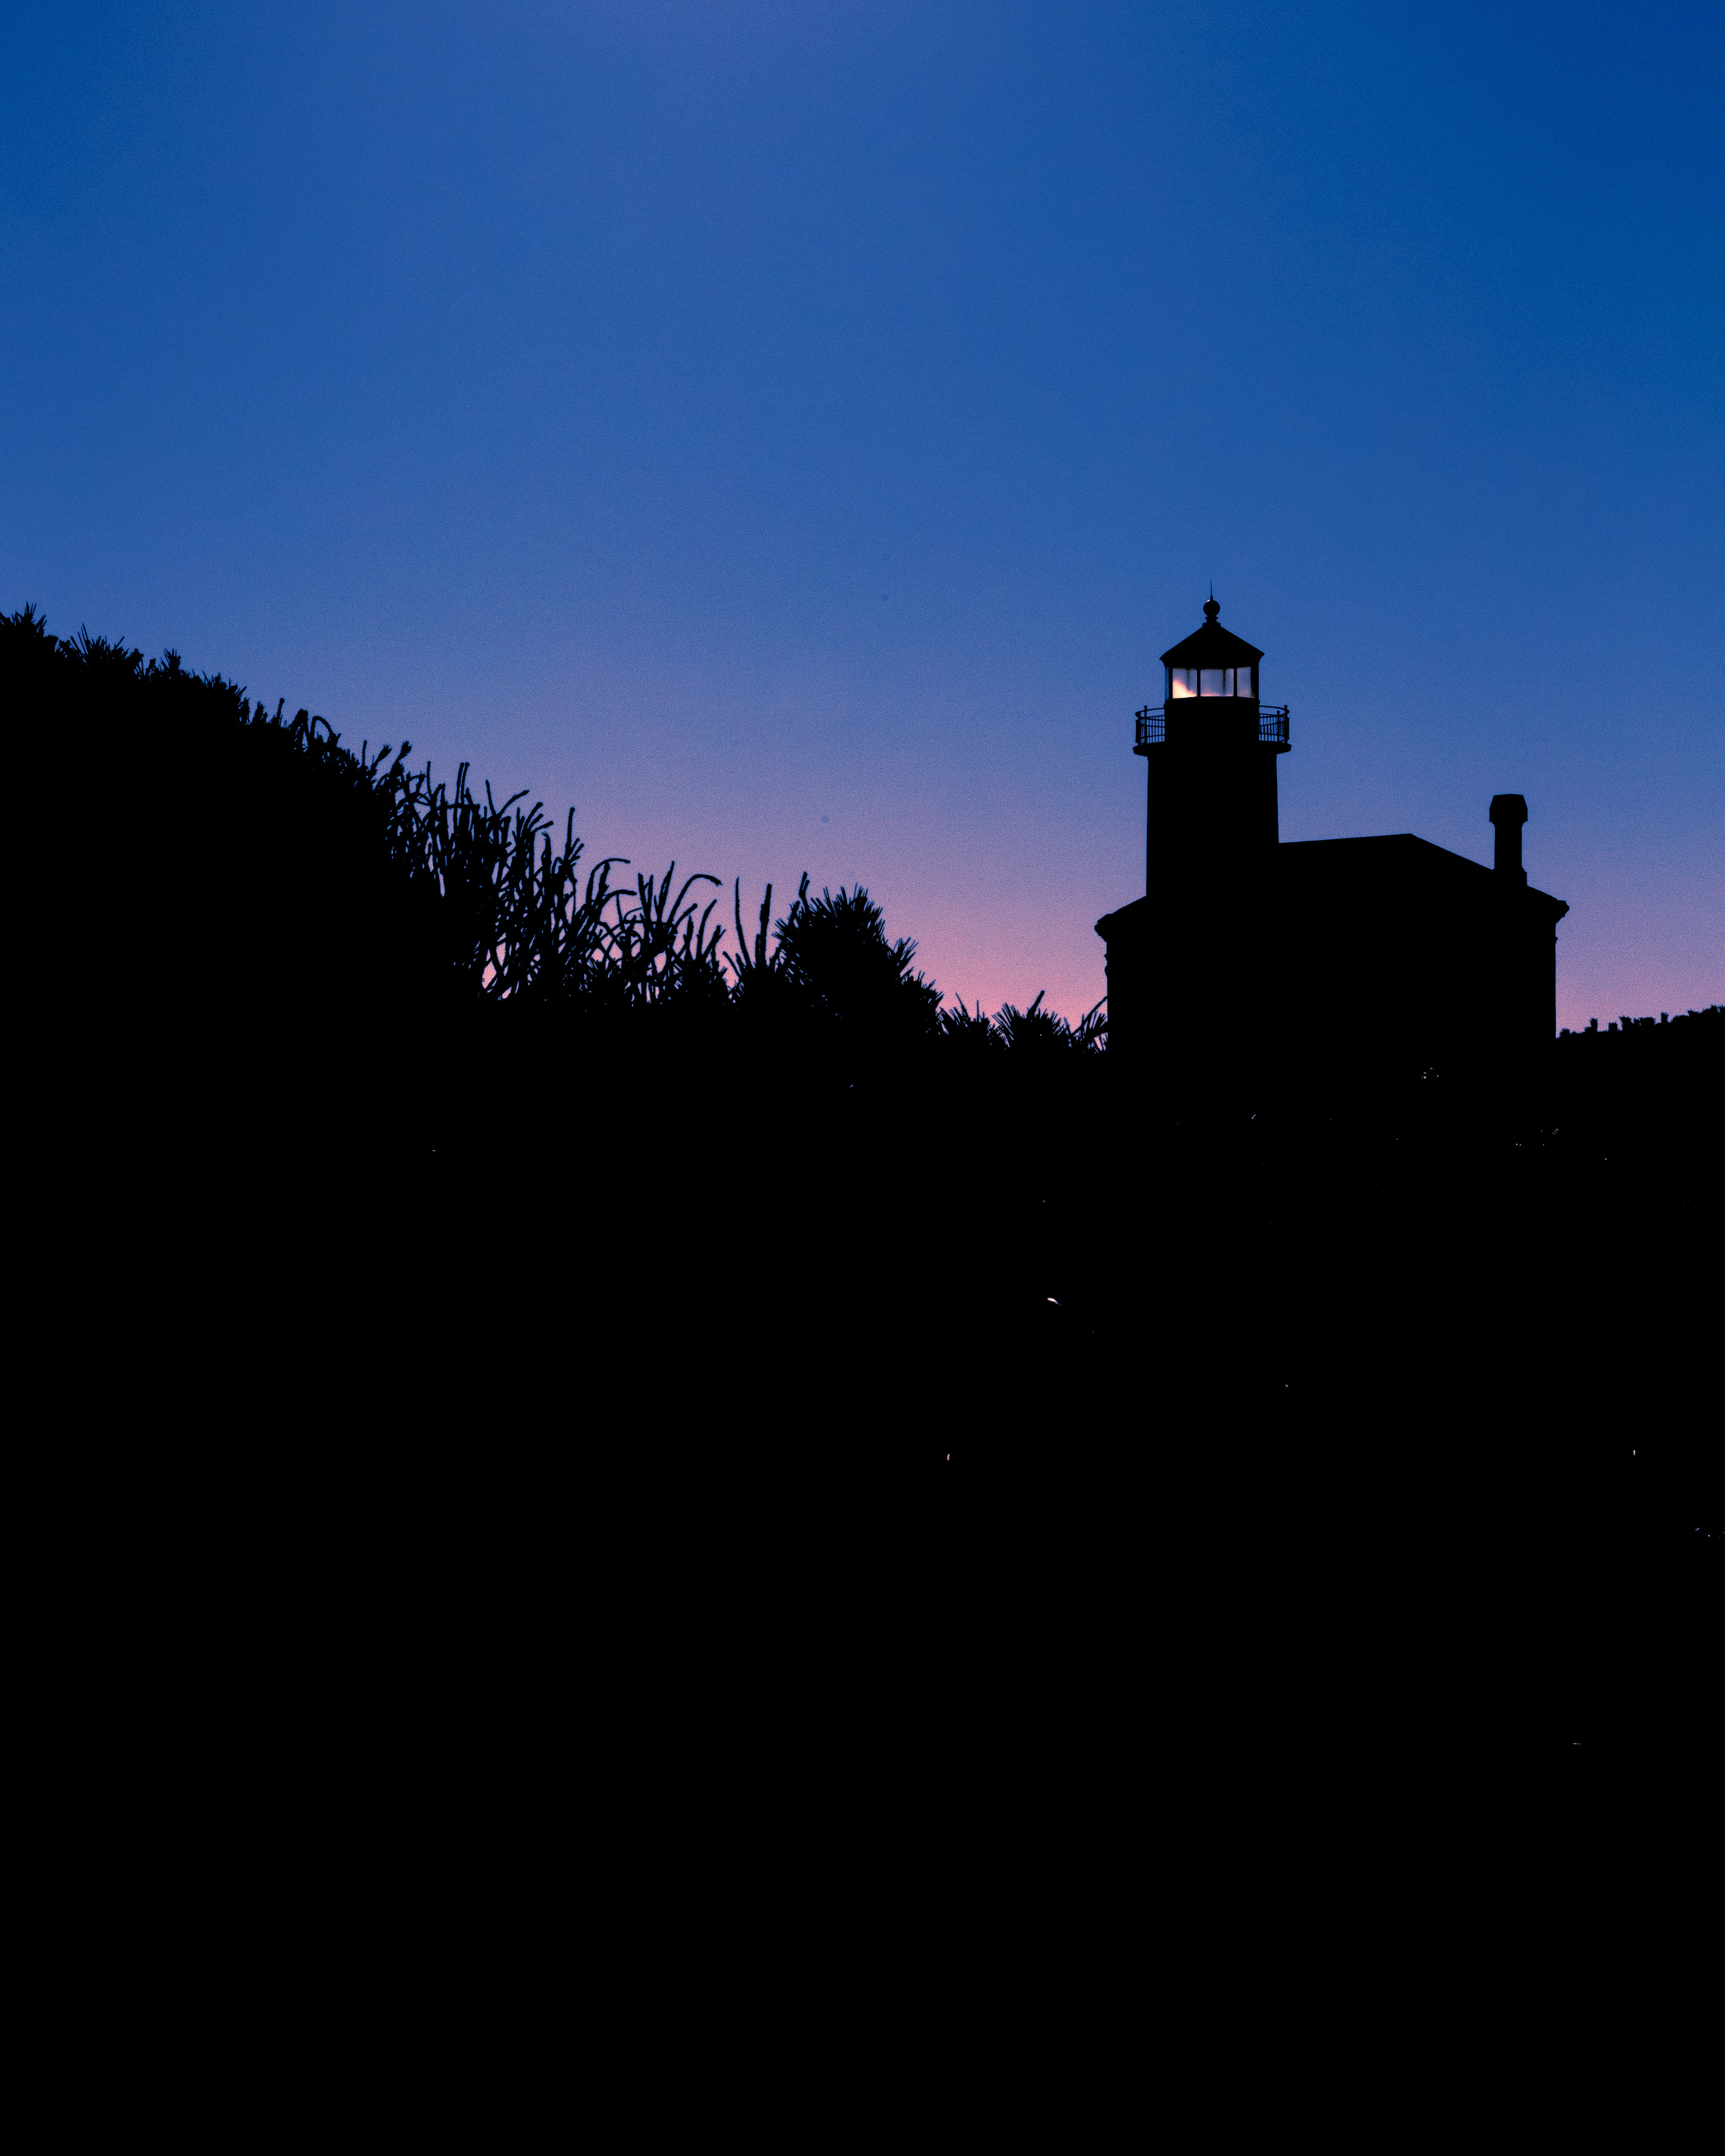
[262,819]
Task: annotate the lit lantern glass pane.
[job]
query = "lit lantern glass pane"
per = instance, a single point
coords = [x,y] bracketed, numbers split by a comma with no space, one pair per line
[1182,681]
[1245,682]
[1213,682]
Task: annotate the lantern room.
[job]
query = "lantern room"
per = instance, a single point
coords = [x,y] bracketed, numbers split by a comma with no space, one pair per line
[1211,662]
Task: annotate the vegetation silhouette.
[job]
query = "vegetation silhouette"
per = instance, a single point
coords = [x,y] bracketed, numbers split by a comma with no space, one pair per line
[445,1149]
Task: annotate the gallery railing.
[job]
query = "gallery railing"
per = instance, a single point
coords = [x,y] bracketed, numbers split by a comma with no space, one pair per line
[1272,725]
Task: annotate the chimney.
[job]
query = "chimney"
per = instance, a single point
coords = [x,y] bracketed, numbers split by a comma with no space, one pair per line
[1509,812]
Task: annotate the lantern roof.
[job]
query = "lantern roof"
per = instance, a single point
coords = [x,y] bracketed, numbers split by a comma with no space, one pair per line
[1212,645]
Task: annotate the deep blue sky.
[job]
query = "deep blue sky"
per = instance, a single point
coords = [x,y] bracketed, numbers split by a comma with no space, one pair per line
[789,432]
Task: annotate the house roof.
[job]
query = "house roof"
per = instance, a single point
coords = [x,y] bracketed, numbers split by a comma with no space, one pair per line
[1373,874]
[1212,645]
[1397,863]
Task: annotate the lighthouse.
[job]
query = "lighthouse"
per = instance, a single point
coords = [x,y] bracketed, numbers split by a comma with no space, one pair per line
[1362,956]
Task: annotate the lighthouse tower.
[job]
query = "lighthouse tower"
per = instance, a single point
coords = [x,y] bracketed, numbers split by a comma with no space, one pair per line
[1210,747]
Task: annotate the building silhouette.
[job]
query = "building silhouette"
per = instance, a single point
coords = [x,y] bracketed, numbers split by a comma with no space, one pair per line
[1380,952]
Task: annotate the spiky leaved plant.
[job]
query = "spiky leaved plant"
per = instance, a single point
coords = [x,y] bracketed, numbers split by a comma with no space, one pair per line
[656,946]
[1038,1033]
[833,951]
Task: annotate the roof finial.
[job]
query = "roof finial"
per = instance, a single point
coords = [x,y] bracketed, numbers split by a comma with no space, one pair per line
[1210,608]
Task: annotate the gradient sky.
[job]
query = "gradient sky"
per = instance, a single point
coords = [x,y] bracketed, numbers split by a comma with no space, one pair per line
[789,432]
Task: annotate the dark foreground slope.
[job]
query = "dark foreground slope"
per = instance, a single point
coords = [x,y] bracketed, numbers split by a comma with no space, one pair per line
[1276,1412]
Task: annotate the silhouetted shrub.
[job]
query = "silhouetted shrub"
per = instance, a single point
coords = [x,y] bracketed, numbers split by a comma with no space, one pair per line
[1041,1033]
[834,952]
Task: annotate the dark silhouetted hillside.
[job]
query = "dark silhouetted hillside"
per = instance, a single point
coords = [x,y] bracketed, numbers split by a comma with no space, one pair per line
[439,1159]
